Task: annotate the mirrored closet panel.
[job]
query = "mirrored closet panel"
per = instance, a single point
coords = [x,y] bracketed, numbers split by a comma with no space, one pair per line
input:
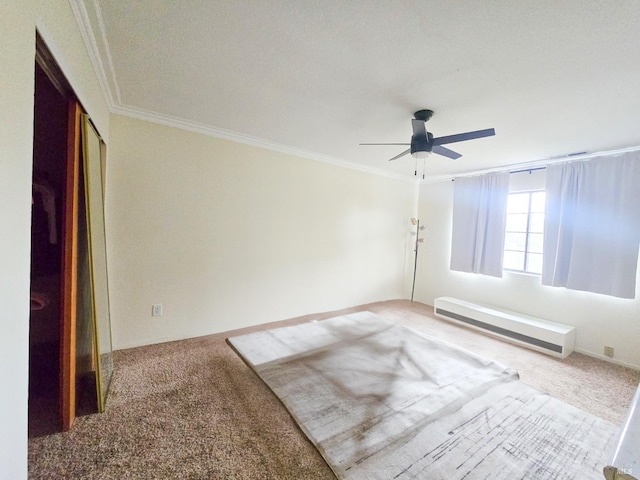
[92,148]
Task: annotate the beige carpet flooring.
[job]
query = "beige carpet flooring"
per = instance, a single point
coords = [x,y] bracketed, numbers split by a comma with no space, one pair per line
[193,410]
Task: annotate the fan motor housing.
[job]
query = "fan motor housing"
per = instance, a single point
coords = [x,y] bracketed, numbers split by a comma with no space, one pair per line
[421,143]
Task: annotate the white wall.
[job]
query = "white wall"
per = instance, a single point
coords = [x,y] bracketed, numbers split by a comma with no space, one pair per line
[226,235]
[599,320]
[16,133]
[18,22]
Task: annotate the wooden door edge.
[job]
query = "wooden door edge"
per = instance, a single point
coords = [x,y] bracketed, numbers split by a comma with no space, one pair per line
[70,271]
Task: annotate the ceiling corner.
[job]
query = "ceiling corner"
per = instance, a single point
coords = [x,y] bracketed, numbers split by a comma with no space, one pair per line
[90,23]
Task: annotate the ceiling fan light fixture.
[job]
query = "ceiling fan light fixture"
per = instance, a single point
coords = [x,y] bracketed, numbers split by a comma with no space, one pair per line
[420,155]
[423,144]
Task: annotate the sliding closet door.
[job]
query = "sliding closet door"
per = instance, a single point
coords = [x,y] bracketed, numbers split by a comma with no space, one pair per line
[92,166]
[70,271]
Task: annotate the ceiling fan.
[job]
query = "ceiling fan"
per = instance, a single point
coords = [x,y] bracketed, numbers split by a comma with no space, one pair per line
[423,143]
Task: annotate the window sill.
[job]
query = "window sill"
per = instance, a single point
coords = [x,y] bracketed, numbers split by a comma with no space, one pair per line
[518,273]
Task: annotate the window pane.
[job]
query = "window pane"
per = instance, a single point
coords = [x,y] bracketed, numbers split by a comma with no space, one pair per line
[536,224]
[518,203]
[513,260]
[535,242]
[517,222]
[515,241]
[524,233]
[534,263]
[537,201]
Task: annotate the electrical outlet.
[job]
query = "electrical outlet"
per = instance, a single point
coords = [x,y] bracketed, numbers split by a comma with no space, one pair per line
[608,351]
[156,310]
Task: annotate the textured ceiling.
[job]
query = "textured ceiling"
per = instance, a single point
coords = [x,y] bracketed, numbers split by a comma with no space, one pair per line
[320,77]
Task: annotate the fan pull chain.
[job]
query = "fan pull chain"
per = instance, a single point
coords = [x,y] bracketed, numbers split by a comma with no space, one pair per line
[424,167]
[415,170]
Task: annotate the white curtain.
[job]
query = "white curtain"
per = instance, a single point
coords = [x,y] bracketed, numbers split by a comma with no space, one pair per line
[592,225]
[479,222]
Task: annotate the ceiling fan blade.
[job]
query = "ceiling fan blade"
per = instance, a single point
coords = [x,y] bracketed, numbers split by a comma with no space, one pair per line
[384,144]
[445,152]
[419,127]
[408,150]
[461,137]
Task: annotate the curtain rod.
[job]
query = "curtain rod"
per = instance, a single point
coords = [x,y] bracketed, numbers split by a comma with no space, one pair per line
[527,170]
[533,165]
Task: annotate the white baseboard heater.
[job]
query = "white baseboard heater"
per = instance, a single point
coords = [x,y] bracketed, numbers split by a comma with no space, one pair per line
[541,335]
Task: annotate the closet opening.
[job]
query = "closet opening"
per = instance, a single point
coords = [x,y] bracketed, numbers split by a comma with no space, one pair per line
[46,320]
[63,352]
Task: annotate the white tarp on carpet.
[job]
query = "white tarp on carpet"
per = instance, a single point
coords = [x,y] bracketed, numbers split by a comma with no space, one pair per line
[382,401]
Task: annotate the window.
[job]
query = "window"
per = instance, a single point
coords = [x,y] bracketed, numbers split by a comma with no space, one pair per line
[524,233]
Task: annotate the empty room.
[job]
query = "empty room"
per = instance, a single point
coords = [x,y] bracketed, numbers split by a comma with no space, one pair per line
[308,240]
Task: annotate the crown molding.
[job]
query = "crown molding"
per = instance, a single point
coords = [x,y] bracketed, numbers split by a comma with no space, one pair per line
[89,19]
[207,130]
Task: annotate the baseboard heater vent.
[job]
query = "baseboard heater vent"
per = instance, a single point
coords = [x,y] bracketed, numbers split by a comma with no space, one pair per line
[542,335]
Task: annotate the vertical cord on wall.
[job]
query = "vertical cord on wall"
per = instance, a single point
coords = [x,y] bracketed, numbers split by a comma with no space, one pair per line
[416,222]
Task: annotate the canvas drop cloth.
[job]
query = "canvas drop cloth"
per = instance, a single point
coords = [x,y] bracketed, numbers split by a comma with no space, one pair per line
[382,401]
